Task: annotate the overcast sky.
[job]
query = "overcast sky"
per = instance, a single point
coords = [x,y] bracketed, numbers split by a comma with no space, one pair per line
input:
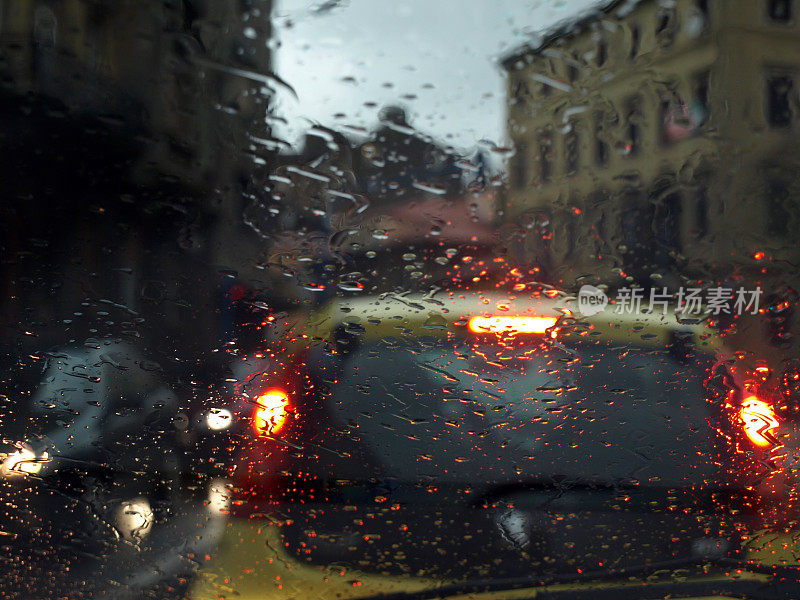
[436,57]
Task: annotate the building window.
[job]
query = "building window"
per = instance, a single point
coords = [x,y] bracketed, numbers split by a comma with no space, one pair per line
[780,11]
[600,145]
[520,93]
[779,100]
[519,163]
[666,24]
[572,71]
[701,214]
[680,119]
[665,121]
[602,53]
[600,151]
[544,90]
[700,99]
[636,236]
[572,149]
[572,235]
[635,41]
[777,205]
[633,130]
[545,148]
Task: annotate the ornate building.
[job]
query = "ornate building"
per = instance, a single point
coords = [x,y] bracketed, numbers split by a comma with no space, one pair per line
[654,144]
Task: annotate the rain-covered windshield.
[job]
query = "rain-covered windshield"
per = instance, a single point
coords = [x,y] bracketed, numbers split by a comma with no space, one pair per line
[466,414]
[361,299]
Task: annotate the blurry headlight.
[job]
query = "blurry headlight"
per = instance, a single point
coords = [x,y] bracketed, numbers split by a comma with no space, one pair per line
[23,461]
[218,497]
[135,519]
[218,419]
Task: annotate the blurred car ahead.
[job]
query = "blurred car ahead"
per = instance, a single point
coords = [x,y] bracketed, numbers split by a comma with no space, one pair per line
[102,408]
[428,446]
[91,459]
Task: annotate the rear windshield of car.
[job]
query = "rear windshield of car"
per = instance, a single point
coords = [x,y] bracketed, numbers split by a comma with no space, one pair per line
[477,411]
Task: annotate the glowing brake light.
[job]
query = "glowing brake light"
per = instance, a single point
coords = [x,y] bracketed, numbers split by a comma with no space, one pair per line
[516,324]
[759,421]
[271,413]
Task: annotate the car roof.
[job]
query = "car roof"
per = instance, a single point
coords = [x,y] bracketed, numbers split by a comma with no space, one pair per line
[435,314]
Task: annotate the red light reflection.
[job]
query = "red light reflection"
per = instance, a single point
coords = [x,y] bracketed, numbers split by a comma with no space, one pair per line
[759,421]
[271,414]
[510,324]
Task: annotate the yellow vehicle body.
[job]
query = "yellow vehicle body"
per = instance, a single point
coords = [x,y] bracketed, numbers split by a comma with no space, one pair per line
[251,564]
[252,561]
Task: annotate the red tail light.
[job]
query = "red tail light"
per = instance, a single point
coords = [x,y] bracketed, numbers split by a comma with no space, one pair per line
[760,421]
[511,324]
[271,411]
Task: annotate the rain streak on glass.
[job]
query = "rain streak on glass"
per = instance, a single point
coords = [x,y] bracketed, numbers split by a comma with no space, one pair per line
[358,299]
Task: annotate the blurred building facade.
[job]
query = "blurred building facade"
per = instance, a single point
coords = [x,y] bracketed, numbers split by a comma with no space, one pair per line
[147,115]
[654,144]
[191,75]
